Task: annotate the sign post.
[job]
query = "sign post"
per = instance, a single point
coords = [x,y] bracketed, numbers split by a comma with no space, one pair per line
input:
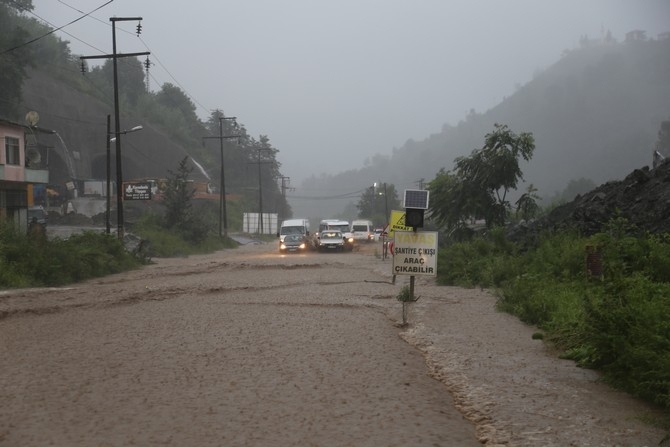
[414,254]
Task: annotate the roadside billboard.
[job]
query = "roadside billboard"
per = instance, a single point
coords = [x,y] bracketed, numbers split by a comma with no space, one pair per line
[137,191]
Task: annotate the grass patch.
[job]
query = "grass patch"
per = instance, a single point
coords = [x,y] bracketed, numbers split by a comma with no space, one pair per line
[616,322]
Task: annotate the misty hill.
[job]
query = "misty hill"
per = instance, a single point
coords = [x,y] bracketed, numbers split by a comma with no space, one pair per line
[595,115]
[80,120]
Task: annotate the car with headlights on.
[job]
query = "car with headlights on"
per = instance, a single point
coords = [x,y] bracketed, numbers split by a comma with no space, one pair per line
[293,243]
[331,240]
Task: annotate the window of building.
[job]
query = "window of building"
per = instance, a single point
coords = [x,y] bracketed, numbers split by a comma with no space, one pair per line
[12,153]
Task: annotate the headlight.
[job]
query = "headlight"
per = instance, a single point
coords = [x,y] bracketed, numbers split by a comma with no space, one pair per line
[350,240]
[282,246]
[302,246]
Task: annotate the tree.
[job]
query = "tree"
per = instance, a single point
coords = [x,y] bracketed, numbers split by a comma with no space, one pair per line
[13,62]
[179,214]
[526,206]
[130,73]
[478,188]
[377,202]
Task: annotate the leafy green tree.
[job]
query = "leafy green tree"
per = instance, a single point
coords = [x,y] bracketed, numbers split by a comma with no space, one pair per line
[179,215]
[478,187]
[172,97]
[526,206]
[376,201]
[450,206]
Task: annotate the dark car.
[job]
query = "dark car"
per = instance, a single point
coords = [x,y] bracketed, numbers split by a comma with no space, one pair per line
[293,243]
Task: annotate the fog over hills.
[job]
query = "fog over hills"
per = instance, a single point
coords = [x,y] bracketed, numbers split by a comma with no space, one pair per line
[595,115]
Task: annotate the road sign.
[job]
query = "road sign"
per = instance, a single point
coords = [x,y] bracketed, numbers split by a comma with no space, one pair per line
[415,253]
[397,223]
[137,191]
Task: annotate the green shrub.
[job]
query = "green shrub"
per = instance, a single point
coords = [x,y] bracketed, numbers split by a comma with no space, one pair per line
[29,261]
[628,329]
[618,323]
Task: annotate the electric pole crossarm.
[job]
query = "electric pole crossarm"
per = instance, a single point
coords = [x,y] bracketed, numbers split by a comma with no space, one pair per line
[110,56]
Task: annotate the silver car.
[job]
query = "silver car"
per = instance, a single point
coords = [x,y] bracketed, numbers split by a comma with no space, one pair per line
[331,240]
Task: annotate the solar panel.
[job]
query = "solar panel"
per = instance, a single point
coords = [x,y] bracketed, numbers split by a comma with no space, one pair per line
[416,198]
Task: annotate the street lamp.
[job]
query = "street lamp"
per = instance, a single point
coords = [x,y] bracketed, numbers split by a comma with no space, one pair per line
[119,180]
[386,223]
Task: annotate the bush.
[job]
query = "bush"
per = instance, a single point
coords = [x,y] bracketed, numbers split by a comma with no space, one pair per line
[617,323]
[29,261]
[163,242]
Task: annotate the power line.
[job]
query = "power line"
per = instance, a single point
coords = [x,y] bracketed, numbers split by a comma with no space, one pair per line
[53,30]
[350,195]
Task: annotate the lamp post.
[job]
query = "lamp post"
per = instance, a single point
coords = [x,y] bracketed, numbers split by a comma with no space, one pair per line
[119,180]
[386,223]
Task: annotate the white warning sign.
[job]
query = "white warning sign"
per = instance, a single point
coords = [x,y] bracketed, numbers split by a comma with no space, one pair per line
[415,253]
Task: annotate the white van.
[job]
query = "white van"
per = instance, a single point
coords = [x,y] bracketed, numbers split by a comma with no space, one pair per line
[296,226]
[363,230]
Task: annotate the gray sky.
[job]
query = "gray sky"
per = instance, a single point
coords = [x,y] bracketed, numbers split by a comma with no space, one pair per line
[352,77]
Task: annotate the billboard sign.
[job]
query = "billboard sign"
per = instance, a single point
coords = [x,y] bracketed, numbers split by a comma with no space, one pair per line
[137,191]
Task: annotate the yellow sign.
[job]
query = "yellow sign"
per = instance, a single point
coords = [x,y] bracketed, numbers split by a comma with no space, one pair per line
[397,223]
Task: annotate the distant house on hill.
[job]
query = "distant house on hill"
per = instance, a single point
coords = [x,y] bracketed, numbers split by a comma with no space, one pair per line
[22,167]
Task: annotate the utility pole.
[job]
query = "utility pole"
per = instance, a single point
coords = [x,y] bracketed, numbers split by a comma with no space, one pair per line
[117,125]
[285,182]
[260,187]
[223,214]
[109,175]
[223,217]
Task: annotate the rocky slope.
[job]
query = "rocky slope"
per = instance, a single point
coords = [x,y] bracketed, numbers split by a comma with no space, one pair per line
[643,198]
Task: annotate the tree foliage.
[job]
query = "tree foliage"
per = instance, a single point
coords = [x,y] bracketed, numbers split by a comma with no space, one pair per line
[526,206]
[377,202]
[177,200]
[478,187]
[13,62]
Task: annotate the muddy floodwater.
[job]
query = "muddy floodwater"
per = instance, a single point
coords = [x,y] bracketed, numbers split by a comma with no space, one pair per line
[248,347]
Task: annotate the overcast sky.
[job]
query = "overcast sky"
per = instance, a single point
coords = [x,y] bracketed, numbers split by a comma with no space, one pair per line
[353,77]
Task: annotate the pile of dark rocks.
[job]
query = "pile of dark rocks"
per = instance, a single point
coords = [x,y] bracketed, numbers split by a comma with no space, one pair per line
[642,198]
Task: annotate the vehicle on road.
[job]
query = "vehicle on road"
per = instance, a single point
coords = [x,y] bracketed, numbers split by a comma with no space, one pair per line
[331,240]
[296,226]
[363,230]
[337,224]
[293,243]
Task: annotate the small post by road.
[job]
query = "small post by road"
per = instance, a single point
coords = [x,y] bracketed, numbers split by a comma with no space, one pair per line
[415,252]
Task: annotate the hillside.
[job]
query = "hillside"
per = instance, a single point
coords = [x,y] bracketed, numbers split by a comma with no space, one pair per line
[595,114]
[642,198]
[80,121]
